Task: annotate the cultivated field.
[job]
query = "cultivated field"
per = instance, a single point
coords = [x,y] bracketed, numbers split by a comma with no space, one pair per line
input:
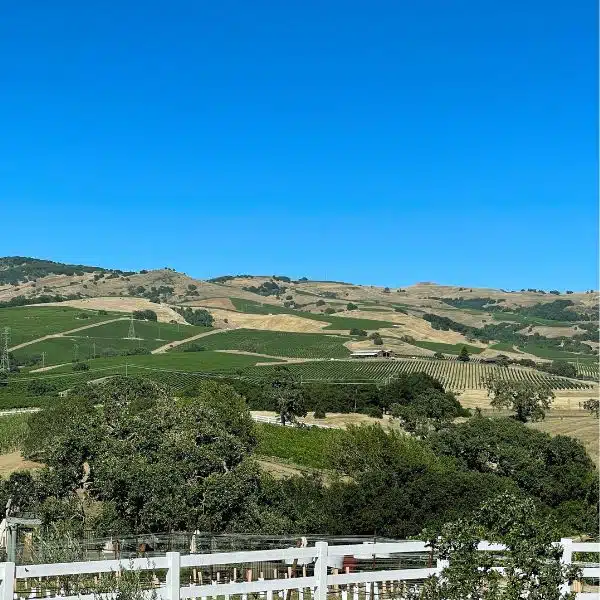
[453,374]
[31,322]
[108,340]
[276,343]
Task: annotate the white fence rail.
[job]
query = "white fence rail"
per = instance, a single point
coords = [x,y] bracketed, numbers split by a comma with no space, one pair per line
[324,561]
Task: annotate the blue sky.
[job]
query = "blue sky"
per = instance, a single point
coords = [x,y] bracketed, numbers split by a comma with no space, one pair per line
[379,142]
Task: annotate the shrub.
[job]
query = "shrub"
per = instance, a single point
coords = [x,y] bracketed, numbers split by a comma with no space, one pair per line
[358,332]
[193,347]
[80,366]
[351,306]
[376,412]
[329,310]
[320,302]
[144,315]
[319,413]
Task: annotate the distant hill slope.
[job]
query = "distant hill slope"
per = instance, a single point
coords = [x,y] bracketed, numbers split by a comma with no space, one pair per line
[424,312]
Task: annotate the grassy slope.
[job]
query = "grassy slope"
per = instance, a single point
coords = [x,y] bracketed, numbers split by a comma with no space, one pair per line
[447,348]
[182,361]
[335,322]
[13,429]
[277,343]
[107,338]
[302,446]
[31,322]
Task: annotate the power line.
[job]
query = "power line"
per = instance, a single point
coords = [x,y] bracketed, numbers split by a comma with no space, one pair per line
[4,359]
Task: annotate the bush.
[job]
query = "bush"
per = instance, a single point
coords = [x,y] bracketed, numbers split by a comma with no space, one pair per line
[329,310]
[80,366]
[144,315]
[351,306]
[320,302]
[199,317]
[137,351]
[193,347]
[358,332]
[319,413]
[376,412]
[439,356]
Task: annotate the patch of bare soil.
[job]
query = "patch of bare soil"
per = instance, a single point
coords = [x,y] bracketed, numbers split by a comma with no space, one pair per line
[127,304]
[13,461]
[551,332]
[277,322]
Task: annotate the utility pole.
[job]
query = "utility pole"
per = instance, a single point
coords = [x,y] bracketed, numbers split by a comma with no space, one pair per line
[43,359]
[4,359]
[94,349]
[131,333]
[75,352]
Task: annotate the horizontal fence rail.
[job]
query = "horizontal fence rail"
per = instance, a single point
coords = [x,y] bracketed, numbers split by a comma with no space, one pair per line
[367,571]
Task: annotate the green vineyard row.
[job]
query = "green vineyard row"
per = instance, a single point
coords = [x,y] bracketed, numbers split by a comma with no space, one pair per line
[453,374]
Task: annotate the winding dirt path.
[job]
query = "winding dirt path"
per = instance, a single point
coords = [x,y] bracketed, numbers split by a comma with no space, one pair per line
[63,333]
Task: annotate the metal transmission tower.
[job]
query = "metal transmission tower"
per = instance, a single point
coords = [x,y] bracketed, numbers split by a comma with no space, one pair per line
[4,359]
[131,333]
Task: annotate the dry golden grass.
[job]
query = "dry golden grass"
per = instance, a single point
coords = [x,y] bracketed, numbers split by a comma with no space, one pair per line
[13,461]
[277,322]
[564,399]
[125,304]
[583,427]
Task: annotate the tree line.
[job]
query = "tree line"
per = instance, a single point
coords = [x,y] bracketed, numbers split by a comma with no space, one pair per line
[152,460]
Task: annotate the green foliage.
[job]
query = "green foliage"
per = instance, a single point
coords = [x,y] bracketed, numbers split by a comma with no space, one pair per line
[455,374]
[144,315]
[150,457]
[428,410]
[305,446]
[334,322]
[528,400]
[320,303]
[329,310]
[593,406]
[561,368]
[351,306]
[446,348]
[278,343]
[463,355]
[532,564]
[16,269]
[13,430]
[193,347]
[358,332]
[80,366]
[267,288]
[288,395]
[197,316]
[29,323]
[555,470]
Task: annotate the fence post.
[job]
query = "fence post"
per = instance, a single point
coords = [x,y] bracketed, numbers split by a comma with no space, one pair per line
[173,575]
[8,581]
[567,558]
[321,571]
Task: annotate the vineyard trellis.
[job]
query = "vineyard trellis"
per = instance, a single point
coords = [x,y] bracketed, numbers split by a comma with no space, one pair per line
[454,375]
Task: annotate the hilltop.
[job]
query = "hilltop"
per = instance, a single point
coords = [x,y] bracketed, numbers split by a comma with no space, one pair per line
[531,327]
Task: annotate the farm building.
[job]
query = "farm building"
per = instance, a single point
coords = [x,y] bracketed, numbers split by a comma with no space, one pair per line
[375,353]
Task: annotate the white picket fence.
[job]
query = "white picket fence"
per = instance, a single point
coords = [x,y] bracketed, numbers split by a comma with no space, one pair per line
[326,578]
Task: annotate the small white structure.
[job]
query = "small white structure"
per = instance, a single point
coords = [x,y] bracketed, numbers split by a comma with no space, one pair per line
[373,353]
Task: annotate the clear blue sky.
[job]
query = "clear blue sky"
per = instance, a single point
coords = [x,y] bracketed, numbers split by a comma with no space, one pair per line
[381,142]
